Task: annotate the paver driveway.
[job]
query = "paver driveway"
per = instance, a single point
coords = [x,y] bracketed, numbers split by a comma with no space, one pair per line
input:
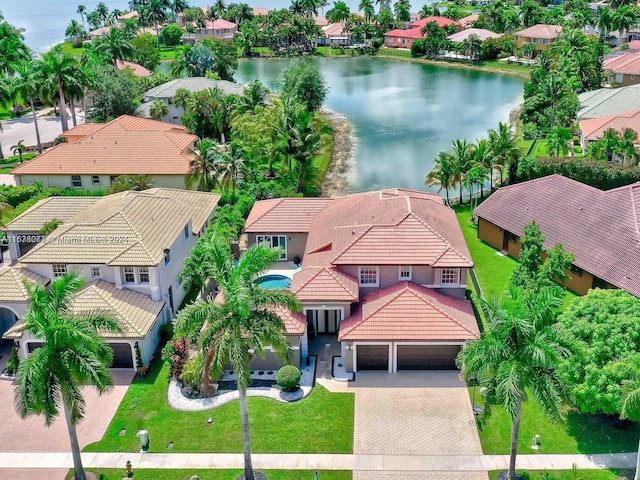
[413,413]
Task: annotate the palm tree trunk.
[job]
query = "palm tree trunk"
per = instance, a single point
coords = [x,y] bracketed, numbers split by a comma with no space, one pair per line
[79,473]
[491,178]
[63,110]
[246,441]
[72,106]
[460,192]
[35,124]
[515,430]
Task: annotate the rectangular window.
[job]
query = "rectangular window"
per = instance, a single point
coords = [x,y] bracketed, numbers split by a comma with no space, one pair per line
[274,241]
[513,237]
[368,276]
[577,270]
[535,40]
[167,257]
[59,270]
[545,41]
[633,77]
[404,272]
[129,275]
[95,180]
[96,272]
[186,232]
[450,276]
[143,274]
[76,181]
[112,179]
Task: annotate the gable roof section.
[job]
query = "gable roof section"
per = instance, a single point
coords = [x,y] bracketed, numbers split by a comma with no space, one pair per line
[608,101]
[594,128]
[628,63]
[48,209]
[323,284]
[128,228]
[541,30]
[284,215]
[409,312]
[294,322]
[441,21]
[405,33]
[12,289]
[481,33]
[126,145]
[600,228]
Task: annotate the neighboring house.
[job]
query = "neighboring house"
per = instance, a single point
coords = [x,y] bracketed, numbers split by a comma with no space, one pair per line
[260,11]
[467,22]
[481,33]
[600,228]
[129,247]
[95,154]
[593,129]
[133,14]
[219,28]
[167,91]
[334,34]
[320,21]
[383,276]
[540,35]
[623,68]
[404,38]
[102,31]
[138,70]
[608,101]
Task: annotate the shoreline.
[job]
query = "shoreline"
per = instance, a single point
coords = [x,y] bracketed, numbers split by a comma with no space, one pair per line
[336,182]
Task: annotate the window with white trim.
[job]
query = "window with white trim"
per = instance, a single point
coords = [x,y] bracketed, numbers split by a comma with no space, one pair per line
[274,241]
[404,272]
[76,181]
[129,275]
[143,274]
[368,276]
[96,272]
[95,179]
[450,276]
[59,270]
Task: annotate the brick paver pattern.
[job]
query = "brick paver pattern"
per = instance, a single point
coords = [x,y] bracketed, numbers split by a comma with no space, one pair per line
[415,421]
[399,475]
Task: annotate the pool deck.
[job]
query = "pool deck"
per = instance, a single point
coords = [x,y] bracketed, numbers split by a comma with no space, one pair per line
[284,268]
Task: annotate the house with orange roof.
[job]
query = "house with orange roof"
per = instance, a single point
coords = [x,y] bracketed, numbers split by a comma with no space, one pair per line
[94,155]
[138,70]
[540,36]
[593,129]
[382,276]
[623,68]
[218,28]
[467,22]
[334,34]
[404,38]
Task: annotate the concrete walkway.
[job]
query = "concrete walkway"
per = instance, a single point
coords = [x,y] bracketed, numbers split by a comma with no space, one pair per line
[398,463]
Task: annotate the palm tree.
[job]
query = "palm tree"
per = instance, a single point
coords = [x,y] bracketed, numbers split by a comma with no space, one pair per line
[155,13]
[116,45]
[158,109]
[442,174]
[137,183]
[102,12]
[245,320]
[429,10]
[518,354]
[339,13]
[557,141]
[82,12]
[19,149]
[178,6]
[624,19]
[230,167]
[483,155]
[73,354]
[506,153]
[61,72]
[462,155]
[604,22]
[218,9]
[366,7]
[610,143]
[628,148]
[402,9]
[202,167]
[472,46]
[74,30]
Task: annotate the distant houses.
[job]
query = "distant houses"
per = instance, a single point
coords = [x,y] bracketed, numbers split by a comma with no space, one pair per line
[608,101]
[623,68]
[592,130]
[219,28]
[481,33]
[541,36]
[404,38]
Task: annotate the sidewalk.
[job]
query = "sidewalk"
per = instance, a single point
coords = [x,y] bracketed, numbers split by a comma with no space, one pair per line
[477,463]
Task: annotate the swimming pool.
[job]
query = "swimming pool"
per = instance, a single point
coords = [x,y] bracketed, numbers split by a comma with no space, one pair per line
[274,281]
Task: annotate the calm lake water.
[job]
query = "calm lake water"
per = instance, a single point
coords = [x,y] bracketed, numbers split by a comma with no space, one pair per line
[403,113]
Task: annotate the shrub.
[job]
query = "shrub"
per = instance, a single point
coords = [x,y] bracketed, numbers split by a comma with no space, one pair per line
[176,353]
[192,371]
[288,377]
[13,362]
[418,47]
[50,226]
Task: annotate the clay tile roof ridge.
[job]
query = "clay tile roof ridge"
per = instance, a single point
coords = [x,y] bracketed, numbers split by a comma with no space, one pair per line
[634,208]
[98,292]
[451,247]
[357,239]
[278,202]
[331,272]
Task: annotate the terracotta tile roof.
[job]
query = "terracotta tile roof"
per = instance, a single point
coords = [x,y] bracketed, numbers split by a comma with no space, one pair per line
[294,322]
[601,229]
[135,312]
[12,289]
[284,215]
[334,30]
[540,30]
[468,20]
[82,130]
[409,312]
[481,33]
[593,129]
[138,70]
[441,21]
[260,11]
[386,227]
[324,284]
[58,208]
[320,21]
[128,228]
[628,63]
[408,33]
[126,145]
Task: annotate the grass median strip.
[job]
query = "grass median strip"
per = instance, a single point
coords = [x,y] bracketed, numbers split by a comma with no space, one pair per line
[184,474]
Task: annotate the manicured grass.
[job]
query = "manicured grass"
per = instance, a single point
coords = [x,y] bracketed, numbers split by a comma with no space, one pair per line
[68,48]
[506,66]
[327,51]
[320,423]
[394,52]
[5,170]
[168,55]
[577,433]
[572,474]
[16,159]
[161,474]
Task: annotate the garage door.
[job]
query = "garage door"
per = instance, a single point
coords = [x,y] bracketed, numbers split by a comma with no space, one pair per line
[122,356]
[427,357]
[372,357]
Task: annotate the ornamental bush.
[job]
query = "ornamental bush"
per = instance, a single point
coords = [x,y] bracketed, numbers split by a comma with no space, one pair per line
[288,377]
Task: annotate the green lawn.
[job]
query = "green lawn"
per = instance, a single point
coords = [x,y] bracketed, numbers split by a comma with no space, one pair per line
[168,55]
[16,159]
[158,474]
[539,149]
[320,423]
[68,48]
[394,52]
[506,66]
[572,475]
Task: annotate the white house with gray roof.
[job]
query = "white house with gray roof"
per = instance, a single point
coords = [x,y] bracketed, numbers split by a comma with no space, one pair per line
[129,247]
[608,101]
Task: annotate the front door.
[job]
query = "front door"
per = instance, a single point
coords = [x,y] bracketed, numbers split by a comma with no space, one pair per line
[505,240]
[327,321]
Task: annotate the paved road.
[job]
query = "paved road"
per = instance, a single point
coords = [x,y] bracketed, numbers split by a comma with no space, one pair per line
[22,128]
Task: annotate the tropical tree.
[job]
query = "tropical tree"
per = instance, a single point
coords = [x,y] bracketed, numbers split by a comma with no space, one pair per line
[454,12]
[74,30]
[628,148]
[462,155]
[29,82]
[102,12]
[202,167]
[506,153]
[244,321]
[402,9]
[230,167]
[155,13]
[339,13]
[19,149]
[82,11]
[482,155]
[116,45]
[61,73]
[518,354]
[158,109]
[137,183]
[558,141]
[472,46]
[624,19]
[73,354]
[367,8]
[443,174]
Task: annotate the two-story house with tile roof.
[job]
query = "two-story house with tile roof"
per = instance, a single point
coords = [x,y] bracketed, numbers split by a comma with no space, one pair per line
[129,247]
[382,278]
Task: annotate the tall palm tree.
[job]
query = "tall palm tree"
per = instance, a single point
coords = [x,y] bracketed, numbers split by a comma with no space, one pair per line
[61,72]
[472,46]
[483,155]
[442,174]
[155,12]
[339,13]
[202,167]
[624,19]
[628,147]
[116,45]
[518,354]
[245,320]
[610,143]
[503,145]
[158,109]
[102,12]
[462,155]
[230,167]
[73,354]
[74,30]
[366,7]
[82,12]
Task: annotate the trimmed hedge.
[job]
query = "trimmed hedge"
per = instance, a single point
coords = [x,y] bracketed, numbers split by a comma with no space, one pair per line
[288,377]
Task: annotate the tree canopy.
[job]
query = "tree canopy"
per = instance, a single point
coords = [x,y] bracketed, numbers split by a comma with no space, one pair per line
[303,83]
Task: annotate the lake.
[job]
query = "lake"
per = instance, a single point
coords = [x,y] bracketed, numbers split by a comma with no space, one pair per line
[403,113]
